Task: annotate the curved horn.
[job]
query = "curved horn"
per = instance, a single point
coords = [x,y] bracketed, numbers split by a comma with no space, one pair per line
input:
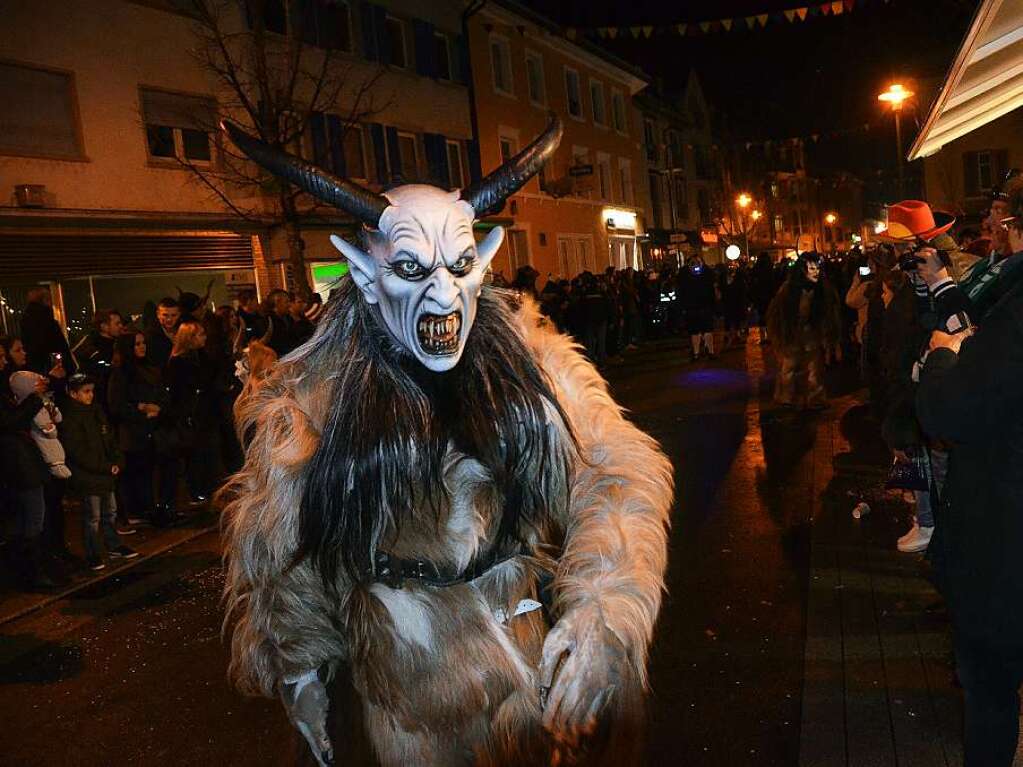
[487,196]
[365,205]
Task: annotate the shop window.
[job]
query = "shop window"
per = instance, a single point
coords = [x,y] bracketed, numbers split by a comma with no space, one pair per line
[396,36]
[500,62]
[535,79]
[508,146]
[178,126]
[39,117]
[573,93]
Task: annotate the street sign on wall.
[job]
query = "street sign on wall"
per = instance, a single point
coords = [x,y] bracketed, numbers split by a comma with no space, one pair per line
[580,170]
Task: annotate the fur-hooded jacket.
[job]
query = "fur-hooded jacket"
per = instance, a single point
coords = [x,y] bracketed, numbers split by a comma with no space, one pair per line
[825,321]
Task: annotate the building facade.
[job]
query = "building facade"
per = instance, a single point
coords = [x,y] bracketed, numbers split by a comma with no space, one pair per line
[106,104]
[585,210]
[683,175]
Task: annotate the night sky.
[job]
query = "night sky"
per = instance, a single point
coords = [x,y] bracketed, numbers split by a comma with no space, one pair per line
[814,77]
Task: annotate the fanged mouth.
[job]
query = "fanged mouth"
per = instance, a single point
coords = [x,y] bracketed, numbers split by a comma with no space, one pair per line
[438,334]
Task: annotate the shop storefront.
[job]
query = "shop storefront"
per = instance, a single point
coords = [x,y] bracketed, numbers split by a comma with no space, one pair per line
[127,272]
[622,237]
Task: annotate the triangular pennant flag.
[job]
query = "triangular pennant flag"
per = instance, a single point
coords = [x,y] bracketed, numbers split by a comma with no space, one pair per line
[801,13]
[681,29]
[635,32]
[705,27]
[762,19]
[727,24]
[751,21]
[837,7]
[790,14]
[814,12]
[647,31]
[815,136]
[826,8]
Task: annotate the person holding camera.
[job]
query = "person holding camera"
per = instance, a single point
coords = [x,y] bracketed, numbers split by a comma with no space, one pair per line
[969,397]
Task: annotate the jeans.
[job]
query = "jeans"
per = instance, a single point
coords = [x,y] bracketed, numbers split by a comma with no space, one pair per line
[991,677]
[99,511]
[31,506]
[924,508]
[596,342]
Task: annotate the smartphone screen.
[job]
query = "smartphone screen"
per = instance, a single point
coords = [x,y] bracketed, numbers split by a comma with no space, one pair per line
[864,271]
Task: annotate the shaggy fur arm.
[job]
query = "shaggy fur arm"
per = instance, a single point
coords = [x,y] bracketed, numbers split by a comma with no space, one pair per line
[284,623]
[616,525]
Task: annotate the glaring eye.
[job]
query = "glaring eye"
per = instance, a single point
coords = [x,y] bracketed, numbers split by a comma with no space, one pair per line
[408,269]
[463,265]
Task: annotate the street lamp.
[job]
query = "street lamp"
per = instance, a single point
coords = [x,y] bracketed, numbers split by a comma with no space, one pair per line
[743,200]
[896,95]
[755,215]
[830,219]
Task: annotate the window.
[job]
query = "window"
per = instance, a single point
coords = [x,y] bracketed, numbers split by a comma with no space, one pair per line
[534,78]
[456,179]
[409,158]
[500,60]
[396,36]
[507,148]
[676,157]
[774,190]
[703,203]
[681,199]
[779,223]
[323,23]
[275,17]
[573,93]
[442,56]
[178,126]
[625,180]
[655,198]
[39,114]
[518,248]
[649,140]
[355,153]
[604,175]
[597,102]
[618,111]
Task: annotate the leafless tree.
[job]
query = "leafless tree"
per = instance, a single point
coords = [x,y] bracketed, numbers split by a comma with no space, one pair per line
[273,85]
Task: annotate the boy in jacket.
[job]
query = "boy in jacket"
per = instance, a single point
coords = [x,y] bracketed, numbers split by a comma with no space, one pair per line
[95,461]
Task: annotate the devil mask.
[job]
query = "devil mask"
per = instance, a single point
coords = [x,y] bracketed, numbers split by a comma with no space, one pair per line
[420,264]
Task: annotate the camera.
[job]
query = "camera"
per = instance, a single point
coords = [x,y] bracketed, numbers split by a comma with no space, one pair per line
[909,262]
[864,271]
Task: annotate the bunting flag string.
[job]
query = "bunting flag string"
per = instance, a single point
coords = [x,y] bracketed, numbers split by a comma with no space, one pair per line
[737,23]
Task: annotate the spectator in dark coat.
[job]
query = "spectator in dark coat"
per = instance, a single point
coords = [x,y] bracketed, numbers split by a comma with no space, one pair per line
[193,409]
[594,315]
[278,334]
[699,297]
[95,352]
[763,285]
[253,322]
[734,302]
[301,327]
[42,336]
[160,337]
[137,396]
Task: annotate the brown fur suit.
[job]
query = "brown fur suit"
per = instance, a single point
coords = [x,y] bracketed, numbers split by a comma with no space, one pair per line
[441,679]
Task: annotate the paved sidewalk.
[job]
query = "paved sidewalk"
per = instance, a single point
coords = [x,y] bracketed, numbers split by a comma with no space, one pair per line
[878,686]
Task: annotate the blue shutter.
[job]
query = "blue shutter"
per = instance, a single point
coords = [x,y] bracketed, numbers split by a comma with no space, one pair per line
[303,17]
[318,128]
[383,36]
[376,133]
[337,146]
[394,153]
[473,148]
[459,60]
[423,34]
[436,159]
[369,35]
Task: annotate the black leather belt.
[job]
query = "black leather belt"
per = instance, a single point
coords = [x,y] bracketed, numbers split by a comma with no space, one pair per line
[393,571]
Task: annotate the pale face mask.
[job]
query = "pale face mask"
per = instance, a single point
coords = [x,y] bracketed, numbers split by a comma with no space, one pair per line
[424,271]
[813,271]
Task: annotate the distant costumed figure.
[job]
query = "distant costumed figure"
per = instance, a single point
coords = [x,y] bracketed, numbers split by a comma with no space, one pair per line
[447,545]
[803,320]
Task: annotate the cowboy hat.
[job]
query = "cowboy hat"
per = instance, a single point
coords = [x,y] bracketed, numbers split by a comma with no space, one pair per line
[914,220]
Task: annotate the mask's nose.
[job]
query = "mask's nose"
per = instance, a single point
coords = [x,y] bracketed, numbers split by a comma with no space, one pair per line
[443,291]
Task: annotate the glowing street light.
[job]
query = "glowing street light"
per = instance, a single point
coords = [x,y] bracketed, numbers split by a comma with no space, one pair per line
[896,95]
[743,200]
[755,215]
[732,252]
[830,219]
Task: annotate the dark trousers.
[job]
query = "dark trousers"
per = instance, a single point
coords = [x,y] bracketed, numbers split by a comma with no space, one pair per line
[137,482]
[202,464]
[991,677]
[53,524]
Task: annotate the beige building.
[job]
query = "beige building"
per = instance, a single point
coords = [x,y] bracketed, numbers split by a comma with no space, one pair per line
[103,100]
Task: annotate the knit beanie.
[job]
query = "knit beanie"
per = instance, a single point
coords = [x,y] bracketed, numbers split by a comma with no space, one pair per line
[23,383]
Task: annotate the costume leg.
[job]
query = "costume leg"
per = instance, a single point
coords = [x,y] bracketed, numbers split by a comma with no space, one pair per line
[815,394]
[708,342]
[346,726]
[695,341]
[785,393]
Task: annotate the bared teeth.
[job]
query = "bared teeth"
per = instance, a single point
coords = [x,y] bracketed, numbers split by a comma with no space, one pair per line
[439,335]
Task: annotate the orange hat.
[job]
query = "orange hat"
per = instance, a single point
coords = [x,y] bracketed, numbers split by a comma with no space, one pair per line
[914,220]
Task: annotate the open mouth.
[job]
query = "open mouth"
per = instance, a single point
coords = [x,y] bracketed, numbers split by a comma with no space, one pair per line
[438,334]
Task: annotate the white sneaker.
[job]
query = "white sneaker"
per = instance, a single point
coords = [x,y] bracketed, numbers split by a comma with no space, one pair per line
[916,540]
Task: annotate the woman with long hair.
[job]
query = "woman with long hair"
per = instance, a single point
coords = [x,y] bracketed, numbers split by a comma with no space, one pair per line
[193,409]
[223,338]
[137,398]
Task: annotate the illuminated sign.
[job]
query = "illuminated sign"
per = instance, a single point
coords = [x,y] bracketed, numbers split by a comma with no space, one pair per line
[617,218]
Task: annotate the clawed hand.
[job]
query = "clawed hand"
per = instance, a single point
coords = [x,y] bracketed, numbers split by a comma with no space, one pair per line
[307,703]
[582,666]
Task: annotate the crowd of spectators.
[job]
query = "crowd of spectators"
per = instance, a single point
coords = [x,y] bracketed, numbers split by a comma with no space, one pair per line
[133,426]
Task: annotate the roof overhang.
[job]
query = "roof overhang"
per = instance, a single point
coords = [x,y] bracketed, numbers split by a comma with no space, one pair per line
[985,81]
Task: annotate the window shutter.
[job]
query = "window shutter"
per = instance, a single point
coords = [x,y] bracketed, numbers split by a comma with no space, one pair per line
[473,148]
[303,19]
[423,34]
[459,60]
[436,159]
[369,35]
[336,129]
[393,152]
[971,183]
[318,131]
[383,36]
[376,134]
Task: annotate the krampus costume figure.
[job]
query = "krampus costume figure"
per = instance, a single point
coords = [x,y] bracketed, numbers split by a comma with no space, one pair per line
[443,518]
[803,321]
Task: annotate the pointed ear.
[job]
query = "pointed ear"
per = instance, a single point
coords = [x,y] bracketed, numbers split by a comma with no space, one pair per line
[361,266]
[488,248]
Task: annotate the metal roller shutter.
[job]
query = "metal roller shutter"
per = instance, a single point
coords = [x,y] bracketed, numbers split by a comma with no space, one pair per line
[55,256]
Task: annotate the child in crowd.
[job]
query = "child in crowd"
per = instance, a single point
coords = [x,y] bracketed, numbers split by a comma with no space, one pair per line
[44,425]
[95,460]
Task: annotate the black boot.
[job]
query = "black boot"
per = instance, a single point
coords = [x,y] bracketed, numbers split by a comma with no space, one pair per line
[36,578]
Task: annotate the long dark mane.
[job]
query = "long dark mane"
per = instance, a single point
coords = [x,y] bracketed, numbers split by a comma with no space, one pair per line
[382,449]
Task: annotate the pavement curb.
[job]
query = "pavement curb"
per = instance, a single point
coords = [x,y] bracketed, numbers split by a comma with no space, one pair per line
[72,590]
